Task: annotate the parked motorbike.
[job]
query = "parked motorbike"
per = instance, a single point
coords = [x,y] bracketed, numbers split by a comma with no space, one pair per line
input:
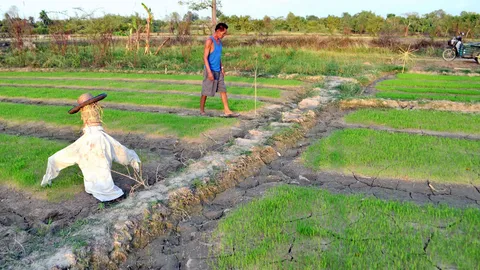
[457,49]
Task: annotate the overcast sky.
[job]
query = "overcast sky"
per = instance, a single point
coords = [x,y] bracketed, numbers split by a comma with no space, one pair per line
[254,8]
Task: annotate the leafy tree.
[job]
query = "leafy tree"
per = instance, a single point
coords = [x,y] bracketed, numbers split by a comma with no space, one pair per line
[245,24]
[44,18]
[174,21]
[374,24]
[293,22]
[392,25]
[192,16]
[332,23]
[198,5]
[347,23]
[267,23]
[469,22]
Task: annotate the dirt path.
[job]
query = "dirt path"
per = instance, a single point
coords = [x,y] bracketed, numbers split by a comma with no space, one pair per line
[189,245]
[437,62]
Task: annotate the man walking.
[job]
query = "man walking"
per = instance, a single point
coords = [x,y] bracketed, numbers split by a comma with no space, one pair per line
[214,74]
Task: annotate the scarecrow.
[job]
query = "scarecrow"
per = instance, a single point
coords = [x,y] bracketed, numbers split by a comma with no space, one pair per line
[94,152]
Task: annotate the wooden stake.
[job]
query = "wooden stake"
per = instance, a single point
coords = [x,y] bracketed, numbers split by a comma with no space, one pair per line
[255,83]
[161,46]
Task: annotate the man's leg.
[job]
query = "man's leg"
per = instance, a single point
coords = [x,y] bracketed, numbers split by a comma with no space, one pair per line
[203,99]
[226,109]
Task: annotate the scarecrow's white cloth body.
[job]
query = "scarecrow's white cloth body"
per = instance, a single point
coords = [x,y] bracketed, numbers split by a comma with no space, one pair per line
[94,153]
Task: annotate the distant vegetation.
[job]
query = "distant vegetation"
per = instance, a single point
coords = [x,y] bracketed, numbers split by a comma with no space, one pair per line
[434,24]
[171,44]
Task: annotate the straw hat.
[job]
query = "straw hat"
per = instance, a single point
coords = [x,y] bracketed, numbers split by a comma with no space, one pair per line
[86,99]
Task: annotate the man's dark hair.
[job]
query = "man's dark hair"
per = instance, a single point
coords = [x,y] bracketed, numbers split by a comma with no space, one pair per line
[221,26]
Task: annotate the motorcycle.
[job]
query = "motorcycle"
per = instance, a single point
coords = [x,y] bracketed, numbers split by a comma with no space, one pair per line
[459,50]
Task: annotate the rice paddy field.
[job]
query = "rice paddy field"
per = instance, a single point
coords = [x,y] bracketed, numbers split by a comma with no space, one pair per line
[318,228]
[308,228]
[397,156]
[430,87]
[379,142]
[39,99]
[455,122]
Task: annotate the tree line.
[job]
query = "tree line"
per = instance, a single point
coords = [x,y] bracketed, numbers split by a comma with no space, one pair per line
[434,24]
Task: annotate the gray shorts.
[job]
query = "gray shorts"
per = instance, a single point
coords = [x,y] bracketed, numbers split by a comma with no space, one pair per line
[209,88]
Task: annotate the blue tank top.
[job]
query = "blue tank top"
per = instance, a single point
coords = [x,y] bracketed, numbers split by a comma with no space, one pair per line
[214,58]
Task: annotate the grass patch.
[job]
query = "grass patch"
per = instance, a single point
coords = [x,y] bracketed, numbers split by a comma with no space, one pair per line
[102,75]
[429,84]
[272,60]
[422,96]
[418,119]
[153,86]
[426,77]
[453,91]
[126,121]
[397,155]
[430,87]
[136,98]
[23,161]
[349,89]
[325,231]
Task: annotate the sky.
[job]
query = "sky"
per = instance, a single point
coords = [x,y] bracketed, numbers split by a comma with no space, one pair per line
[254,8]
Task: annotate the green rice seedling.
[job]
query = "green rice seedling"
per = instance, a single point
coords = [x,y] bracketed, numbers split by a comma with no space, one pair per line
[117,120]
[321,230]
[144,76]
[134,86]
[427,77]
[445,91]
[427,96]
[134,98]
[430,84]
[23,161]
[396,155]
[418,119]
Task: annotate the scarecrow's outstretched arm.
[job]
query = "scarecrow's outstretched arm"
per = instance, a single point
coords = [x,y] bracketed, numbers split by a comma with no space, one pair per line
[125,156]
[62,159]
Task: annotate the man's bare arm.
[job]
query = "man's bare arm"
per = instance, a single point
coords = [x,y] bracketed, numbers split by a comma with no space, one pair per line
[206,53]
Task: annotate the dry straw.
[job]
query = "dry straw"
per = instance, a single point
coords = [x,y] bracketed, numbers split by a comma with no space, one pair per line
[92,114]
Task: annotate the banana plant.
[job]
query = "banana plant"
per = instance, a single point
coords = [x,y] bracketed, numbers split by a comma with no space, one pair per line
[133,28]
[147,28]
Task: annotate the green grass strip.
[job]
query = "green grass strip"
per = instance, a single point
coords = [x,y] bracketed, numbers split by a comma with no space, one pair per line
[430,84]
[419,96]
[397,155]
[23,161]
[417,119]
[143,122]
[321,230]
[152,86]
[135,98]
[100,75]
[427,77]
[453,91]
